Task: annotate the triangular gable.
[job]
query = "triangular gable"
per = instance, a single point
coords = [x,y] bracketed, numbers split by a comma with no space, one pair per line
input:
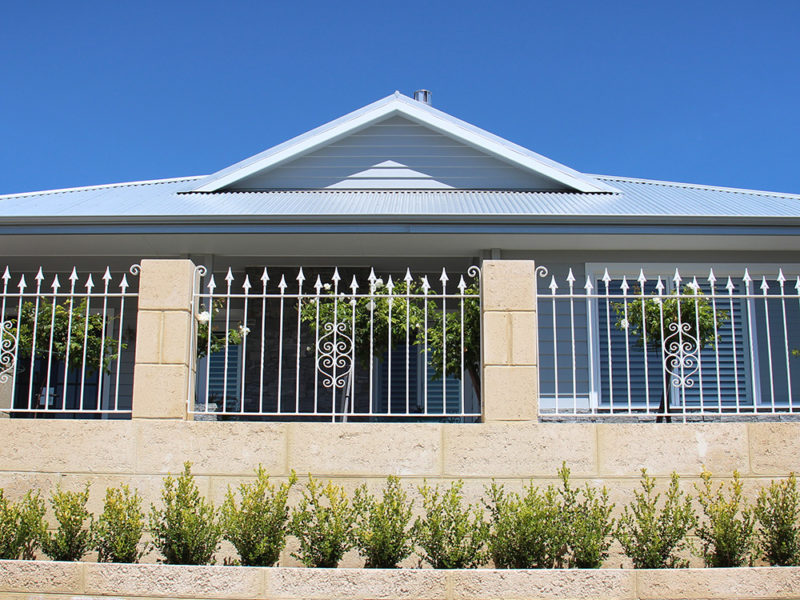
[399,143]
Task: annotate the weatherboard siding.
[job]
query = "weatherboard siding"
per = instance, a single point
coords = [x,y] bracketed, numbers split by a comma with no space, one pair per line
[397,154]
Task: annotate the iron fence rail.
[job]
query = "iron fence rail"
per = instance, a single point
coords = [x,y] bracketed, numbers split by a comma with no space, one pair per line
[356,348]
[669,346]
[66,341]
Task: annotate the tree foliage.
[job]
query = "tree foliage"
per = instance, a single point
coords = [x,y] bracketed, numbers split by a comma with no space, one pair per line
[72,333]
[380,322]
[653,319]
[206,321]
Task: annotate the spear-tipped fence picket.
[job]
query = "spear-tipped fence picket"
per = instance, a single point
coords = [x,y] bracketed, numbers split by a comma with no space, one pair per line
[666,346]
[64,346]
[347,347]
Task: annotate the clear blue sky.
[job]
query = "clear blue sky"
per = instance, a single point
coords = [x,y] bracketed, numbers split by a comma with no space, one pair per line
[96,92]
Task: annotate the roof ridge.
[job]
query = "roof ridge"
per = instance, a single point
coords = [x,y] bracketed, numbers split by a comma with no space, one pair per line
[697,186]
[397,190]
[101,186]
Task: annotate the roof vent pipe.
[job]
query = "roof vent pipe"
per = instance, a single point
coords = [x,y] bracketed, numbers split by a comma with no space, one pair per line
[423,96]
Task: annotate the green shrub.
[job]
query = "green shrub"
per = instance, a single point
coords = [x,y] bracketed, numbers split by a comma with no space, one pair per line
[10,546]
[451,536]
[72,538]
[653,537]
[778,513]
[727,533]
[382,532]
[323,523]
[186,531]
[525,531]
[120,527]
[31,528]
[586,516]
[257,526]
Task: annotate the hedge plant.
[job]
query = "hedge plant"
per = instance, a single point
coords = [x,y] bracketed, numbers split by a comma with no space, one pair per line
[727,532]
[323,524]
[257,524]
[653,534]
[382,532]
[74,532]
[526,531]
[22,526]
[778,514]
[186,530]
[120,527]
[451,535]
[588,523]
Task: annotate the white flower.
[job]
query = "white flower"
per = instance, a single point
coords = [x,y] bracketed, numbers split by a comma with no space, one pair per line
[326,287]
[624,323]
[353,302]
[657,300]
[204,317]
[244,330]
[371,305]
[379,282]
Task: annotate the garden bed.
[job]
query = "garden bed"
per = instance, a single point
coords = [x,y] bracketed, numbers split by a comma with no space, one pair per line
[32,579]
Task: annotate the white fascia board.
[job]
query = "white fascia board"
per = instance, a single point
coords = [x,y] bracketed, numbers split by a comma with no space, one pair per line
[421,113]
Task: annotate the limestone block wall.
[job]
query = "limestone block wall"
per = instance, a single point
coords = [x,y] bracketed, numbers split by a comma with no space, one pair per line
[19,579]
[38,453]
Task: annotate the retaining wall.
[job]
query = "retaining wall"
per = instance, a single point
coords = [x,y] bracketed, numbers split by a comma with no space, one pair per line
[19,579]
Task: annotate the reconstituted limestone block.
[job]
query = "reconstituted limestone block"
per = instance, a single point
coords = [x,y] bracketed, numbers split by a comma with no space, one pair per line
[160,391]
[40,576]
[176,581]
[215,448]
[53,446]
[510,393]
[556,584]
[410,449]
[355,584]
[773,448]
[509,285]
[625,448]
[166,285]
[519,449]
[731,584]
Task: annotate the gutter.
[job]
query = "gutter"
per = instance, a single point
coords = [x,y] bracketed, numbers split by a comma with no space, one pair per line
[424,224]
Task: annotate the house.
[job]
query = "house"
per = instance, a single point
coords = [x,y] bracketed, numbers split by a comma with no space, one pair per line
[400,185]
[248,317]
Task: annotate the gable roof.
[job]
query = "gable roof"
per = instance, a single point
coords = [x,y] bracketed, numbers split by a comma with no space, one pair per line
[417,112]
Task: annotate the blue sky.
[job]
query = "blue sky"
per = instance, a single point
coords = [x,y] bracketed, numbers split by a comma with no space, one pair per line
[96,92]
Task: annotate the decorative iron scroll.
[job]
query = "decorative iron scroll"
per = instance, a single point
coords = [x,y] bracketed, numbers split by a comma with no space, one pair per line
[680,355]
[8,347]
[335,361]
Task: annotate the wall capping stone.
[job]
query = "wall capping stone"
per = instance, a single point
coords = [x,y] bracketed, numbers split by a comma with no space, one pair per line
[18,579]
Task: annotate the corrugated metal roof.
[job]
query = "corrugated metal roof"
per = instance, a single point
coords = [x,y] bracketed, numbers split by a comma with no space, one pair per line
[169,198]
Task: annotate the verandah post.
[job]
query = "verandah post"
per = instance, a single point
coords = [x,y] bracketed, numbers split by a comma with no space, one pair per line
[164,371]
[510,341]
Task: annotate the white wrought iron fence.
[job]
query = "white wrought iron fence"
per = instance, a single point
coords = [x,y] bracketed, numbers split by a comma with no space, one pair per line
[651,344]
[336,345]
[67,343]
